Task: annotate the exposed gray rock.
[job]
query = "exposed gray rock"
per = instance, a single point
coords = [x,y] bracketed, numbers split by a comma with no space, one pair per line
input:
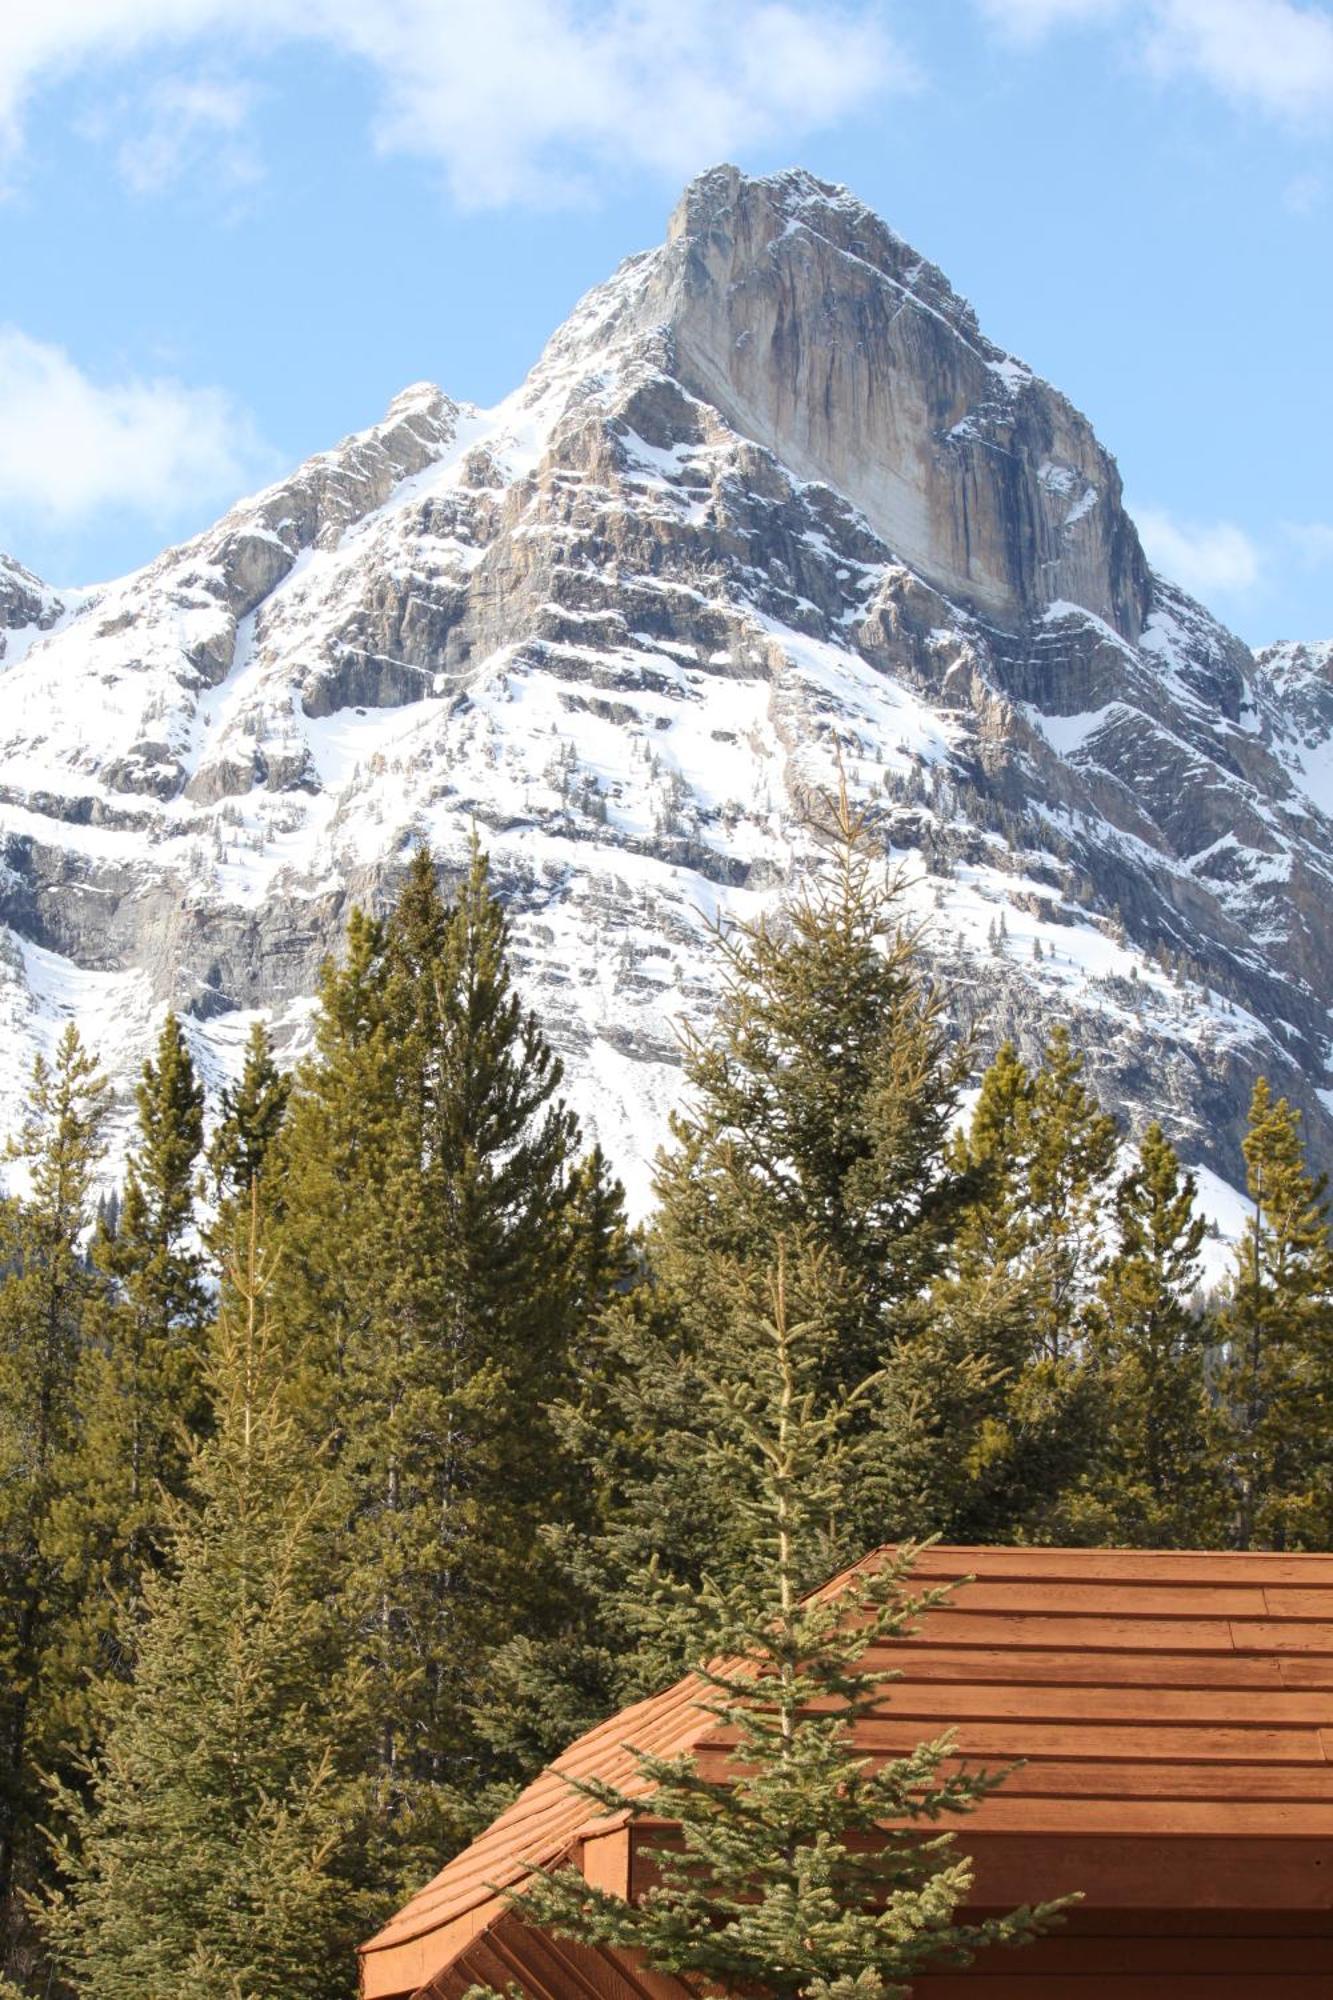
[769,502]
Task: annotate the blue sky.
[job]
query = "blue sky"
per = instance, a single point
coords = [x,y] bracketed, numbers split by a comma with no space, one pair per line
[226,242]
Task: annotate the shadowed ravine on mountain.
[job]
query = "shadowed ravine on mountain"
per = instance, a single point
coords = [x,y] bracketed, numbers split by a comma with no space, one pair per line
[769,498]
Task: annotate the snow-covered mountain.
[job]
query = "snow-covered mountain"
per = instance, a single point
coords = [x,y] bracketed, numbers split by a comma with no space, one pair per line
[768,499]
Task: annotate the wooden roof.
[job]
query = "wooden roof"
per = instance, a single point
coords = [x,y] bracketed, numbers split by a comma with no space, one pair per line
[1175,1712]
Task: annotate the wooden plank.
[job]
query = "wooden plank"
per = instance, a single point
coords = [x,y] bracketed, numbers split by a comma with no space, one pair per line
[1055,1777]
[1286,1601]
[1289,1708]
[1058,1597]
[1065,1951]
[604,1861]
[1115,1986]
[1161,1820]
[1073,1669]
[1176,1876]
[1272,1636]
[1110,1741]
[1223,1566]
[1142,1635]
[1167,1781]
[1307,1672]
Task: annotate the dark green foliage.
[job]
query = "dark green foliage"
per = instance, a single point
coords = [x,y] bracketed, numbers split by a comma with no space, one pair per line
[216,1843]
[142,1381]
[809,1872]
[250,1116]
[1154,1481]
[312,1574]
[822,1096]
[1032,1245]
[1277,1335]
[444,1247]
[45,1292]
[825,1085]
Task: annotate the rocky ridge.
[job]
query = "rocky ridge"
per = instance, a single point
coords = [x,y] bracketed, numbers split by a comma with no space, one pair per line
[769,501]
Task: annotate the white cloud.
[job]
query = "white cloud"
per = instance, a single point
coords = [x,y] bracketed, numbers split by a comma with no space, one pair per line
[1203,557]
[1029,20]
[70,446]
[1276,55]
[187,122]
[519,99]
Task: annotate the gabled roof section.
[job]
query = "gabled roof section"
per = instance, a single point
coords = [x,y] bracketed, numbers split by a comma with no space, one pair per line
[1156,1697]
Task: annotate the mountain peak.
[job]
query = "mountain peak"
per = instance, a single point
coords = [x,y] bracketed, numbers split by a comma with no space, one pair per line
[820,334]
[769,505]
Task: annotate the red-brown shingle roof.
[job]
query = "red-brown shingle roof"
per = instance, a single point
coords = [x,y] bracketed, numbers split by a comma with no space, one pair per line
[1175,1712]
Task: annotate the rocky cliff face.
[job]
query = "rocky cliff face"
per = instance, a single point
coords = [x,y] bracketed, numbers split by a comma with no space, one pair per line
[823,336]
[767,501]
[27,608]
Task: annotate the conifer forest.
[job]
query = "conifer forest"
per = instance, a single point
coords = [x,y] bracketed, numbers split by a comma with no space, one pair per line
[356,1452]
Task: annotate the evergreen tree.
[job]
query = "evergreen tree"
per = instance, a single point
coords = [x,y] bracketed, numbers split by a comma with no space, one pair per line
[250,1118]
[961,1271]
[1052,1150]
[142,1383]
[802,1870]
[823,1090]
[821,1094]
[444,1246]
[1277,1334]
[1034,1241]
[1154,1484]
[45,1291]
[217,1843]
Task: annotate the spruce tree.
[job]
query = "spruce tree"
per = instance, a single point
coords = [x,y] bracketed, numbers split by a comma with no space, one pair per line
[1277,1335]
[216,1841]
[250,1118]
[45,1293]
[802,1870]
[1154,1483]
[142,1386]
[443,1247]
[1055,1152]
[823,1099]
[1034,1242]
[822,1092]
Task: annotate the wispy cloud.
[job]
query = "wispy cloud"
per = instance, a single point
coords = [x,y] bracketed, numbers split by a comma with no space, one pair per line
[1205,557]
[518,100]
[1273,55]
[1029,20]
[70,446]
[183,123]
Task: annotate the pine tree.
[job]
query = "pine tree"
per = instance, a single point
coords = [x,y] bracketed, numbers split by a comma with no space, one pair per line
[1277,1334]
[1032,1244]
[803,1870]
[216,1843]
[444,1246]
[824,1088]
[142,1385]
[251,1112]
[1155,1483]
[823,1099]
[822,1095]
[45,1292]
[1068,1149]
